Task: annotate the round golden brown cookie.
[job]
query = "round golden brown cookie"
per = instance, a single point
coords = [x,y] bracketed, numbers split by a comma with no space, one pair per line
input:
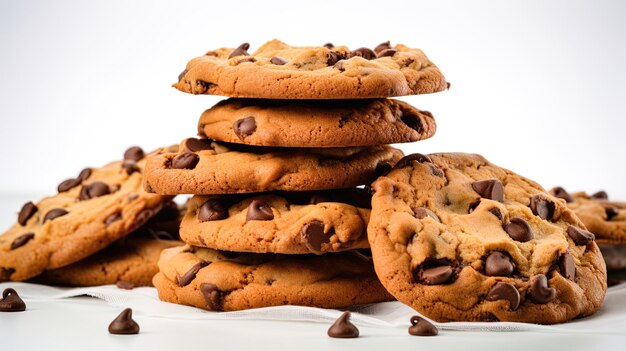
[282,222]
[320,123]
[460,239]
[606,219]
[205,167]
[228,281]
[89,212]
[280,71]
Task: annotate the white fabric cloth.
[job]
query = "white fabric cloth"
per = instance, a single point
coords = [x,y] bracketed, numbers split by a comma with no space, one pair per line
[611,319]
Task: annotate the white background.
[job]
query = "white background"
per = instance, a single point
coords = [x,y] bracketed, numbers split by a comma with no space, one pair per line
[537,86]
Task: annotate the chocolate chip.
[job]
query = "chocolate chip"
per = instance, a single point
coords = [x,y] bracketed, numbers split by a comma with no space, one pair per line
[54,213]
[186,160]
[542,207]
[124,324]
[134,153]
[22,240]
[240,50]
[421,327]
[125,285]
[279,61]
[473,206]
[328,45]
[27,211]
[93,190]
[244,127]
[343,328]
[68,184]
[213,296]
[567,266]
[580,236]
[539,292]
[423,212]
[518,229]
[212,210]
[498,264]
[314,237]
[190,275]
[387,52]
[6,273]
[365,53]
[413,121]
[496,212]
[84,174]
[195,145]
[11,301]
[489,189]
[611,212]
[259,211]
[113,218]
[386,45]
[181,75]
[435,275]
[130,166]
[600,195]
[562,194]
[333,57]
[505,291]
[408,159]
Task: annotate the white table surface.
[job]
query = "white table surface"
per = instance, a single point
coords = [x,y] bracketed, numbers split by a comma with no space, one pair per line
[80,323]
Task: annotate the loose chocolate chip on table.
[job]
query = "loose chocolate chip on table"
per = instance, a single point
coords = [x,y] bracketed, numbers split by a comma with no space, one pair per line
[194,144]
[343,328]
[84,174]
[54,213]
[496,212]
[423,212]
[27,211]
[519,230]
[580,236]
[186,160]
[539,292]
[600,195]
[505,291]
[277,60]
[498,264]
[611,212]
[365,53]
[125,285]
[328,45]
[421,327]
[130,166]
[314,237]
[134,153]
[93,190]
[259,211]
[68,184]
[182,75]
[244,127]
[387,52]
[240,50]
[212,210]
[489,189]
[212,296]
[562,194]
[386,45]
[413,121]
[11,301]
[567,266]
[435,275]
[124,324]
[22,240]
[190,275]
[542,207]
[113,218]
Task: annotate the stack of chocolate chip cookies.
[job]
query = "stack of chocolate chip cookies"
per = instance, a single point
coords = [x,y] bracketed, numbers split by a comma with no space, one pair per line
[277,215]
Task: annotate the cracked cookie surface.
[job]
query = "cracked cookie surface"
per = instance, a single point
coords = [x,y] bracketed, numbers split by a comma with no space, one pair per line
[228,281]
[204,167]
[280,71]
[281,222]
[460,239]
[89,212]
[320,123]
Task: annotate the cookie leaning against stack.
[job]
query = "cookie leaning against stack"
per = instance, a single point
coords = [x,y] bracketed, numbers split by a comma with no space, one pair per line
[276,217]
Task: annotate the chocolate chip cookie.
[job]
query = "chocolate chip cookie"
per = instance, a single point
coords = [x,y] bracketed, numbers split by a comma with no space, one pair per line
[227,281]
[280,222]
[320,123]
[461,239]
[280,71]
[89,212]
[204,167]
